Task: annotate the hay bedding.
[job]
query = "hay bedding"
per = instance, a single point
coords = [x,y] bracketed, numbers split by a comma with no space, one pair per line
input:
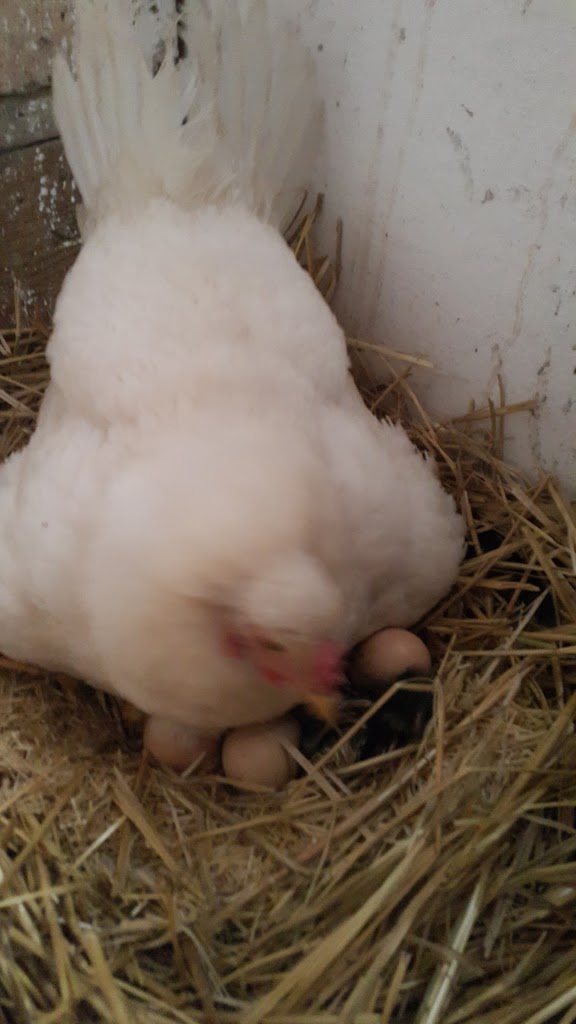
[432,883]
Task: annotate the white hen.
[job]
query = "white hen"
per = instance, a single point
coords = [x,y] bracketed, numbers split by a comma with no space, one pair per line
[206,512]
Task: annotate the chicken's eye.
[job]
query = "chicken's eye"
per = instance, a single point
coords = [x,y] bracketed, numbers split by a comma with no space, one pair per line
[273,645]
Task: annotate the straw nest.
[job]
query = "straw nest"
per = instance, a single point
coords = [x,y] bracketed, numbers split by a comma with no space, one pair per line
[427,882]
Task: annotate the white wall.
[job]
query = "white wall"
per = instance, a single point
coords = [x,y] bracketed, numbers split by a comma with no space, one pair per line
[451,156]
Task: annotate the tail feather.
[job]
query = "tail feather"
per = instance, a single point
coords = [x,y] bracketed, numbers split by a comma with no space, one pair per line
[265,102]
[235,120]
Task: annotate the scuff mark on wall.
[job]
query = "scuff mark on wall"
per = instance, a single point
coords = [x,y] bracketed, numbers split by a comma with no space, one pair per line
[464,162]
[543,369]
[542,223]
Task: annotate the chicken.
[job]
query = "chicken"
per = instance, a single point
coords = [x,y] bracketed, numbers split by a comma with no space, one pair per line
[207,516]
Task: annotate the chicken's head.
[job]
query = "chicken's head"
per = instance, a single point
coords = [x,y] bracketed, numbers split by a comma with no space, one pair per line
[287,623]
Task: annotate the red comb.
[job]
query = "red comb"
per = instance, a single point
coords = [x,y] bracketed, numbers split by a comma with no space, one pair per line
[327,665]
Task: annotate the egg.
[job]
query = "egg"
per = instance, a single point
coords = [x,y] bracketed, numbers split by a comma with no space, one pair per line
[178,746]
[388,655]
[254,754]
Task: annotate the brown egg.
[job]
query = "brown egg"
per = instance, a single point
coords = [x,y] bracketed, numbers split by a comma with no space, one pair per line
[389,654]
[178,746]
[254,753]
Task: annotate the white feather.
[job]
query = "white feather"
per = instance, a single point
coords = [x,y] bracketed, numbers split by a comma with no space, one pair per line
[237,119]
[201,445]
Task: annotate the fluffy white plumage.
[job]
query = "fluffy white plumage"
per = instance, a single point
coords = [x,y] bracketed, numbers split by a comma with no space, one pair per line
[203,462]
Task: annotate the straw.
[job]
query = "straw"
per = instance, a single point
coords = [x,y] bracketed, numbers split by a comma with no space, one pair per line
[430,884]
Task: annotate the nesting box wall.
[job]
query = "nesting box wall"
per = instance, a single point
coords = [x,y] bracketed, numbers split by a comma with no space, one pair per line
[38,237]
[450,154]
[38,231]
[29,30]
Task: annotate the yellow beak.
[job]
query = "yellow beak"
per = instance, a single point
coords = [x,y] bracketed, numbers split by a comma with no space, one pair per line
[324,708]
